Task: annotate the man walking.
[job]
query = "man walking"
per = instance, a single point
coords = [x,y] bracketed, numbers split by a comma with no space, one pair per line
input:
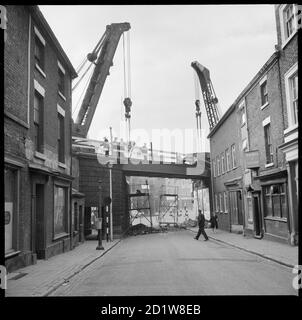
[201,222]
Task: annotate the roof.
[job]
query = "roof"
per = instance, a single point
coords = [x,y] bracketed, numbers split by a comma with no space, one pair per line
[38,14]
[256,78]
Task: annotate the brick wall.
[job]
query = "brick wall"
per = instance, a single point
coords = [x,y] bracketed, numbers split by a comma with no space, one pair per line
[288,57]
[255,116]
[90,173]
[223,138]
[16,62]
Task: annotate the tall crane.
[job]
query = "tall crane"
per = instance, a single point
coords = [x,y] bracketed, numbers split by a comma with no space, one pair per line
[209,96]
[101,57]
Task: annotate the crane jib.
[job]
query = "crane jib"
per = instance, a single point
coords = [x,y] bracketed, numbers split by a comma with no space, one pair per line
[103,55]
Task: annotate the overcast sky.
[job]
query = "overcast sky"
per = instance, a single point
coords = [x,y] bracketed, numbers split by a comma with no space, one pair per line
[232,41]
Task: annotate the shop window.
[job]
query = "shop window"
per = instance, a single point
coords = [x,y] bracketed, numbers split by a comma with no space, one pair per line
[60,211]
[10,209]
[275,201]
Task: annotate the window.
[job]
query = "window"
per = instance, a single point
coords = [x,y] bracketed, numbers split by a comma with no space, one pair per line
[61,83]
[228,162]
[242,112]
[39,53]
[218,166]
[75,217]
[216,203]
[10,209]
[263,93]
[244,144]
[268,145]
[221,202]
[214,168]
[294,96]
[60,211]
[288,21]
[61,136]
[275,204]
[38,121]
[226,203]
[233,156]
[222,164]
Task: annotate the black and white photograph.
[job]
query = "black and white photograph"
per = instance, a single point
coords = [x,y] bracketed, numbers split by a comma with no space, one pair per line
[150,151]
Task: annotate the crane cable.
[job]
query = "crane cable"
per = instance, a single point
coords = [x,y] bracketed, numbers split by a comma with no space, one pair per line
[84,90]
[83,75]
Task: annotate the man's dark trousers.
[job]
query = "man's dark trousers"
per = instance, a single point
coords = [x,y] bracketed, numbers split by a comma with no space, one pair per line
[201,231]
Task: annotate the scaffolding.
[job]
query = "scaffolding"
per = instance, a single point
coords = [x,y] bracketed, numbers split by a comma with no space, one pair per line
[139,205]
[168,206]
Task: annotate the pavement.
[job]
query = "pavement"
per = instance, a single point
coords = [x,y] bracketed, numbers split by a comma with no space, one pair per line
[281,253]
[45,277]
[173,263]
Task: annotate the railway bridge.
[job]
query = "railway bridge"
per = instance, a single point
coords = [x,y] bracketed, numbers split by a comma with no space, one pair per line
[99,175]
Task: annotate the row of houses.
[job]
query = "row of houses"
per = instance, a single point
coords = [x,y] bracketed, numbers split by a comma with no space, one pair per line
[43,209]
[254,167]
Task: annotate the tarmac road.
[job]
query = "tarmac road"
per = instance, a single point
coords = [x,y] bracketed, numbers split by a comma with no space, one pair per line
[173,263]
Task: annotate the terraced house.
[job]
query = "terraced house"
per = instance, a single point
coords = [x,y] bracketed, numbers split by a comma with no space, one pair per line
[37,136]
[254,166]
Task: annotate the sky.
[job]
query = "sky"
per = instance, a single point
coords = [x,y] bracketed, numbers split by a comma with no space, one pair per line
[232,41]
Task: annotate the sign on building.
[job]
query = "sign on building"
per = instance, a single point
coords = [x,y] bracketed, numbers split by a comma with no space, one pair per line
[252,160]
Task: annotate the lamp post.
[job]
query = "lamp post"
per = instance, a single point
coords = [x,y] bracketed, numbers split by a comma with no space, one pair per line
[99,220]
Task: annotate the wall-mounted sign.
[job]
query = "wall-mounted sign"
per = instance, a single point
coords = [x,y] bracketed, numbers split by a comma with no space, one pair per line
[252,160]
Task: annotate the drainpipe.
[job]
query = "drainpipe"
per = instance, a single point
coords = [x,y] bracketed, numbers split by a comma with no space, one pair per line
[70,191]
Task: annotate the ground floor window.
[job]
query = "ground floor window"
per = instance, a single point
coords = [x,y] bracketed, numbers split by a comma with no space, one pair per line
[60,211]
[10,186]
[275,204]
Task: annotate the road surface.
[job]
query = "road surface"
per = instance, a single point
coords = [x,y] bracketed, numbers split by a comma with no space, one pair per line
[173,263]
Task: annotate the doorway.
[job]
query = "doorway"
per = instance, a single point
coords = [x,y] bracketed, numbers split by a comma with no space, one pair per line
[257,216]
[39,239]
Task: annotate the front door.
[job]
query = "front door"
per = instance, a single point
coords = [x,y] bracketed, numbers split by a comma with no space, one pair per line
[257,215]
[39,240]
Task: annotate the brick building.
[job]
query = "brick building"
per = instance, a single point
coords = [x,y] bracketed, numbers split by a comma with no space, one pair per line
[37,137]
[287,23]
[227,171]
[262,123]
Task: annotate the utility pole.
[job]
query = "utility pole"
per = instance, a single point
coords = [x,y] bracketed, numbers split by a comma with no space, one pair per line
[99,220]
